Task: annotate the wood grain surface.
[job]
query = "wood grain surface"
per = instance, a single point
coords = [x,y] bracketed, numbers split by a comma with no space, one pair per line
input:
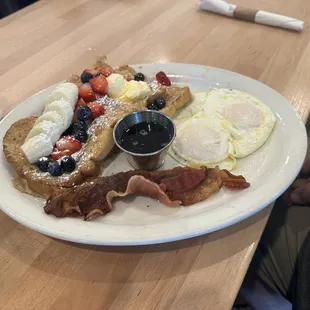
[51,39]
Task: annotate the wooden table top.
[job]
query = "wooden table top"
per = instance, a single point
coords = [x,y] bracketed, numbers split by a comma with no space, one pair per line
[45,42]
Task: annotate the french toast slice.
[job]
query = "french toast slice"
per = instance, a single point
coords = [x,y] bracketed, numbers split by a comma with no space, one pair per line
[30,179]
[100,142]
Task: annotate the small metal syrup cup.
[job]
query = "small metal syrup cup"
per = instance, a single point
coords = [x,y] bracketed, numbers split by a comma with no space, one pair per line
[146,161]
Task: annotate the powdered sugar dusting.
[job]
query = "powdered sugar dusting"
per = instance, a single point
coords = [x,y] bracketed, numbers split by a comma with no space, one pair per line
[114,110]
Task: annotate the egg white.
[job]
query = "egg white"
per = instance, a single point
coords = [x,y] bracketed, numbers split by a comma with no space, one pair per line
[248,119]
[193,107]
[219,126]
[202,141]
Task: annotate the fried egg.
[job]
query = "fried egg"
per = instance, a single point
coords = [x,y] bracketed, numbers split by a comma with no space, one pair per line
[249,121]
[219,126]
[202,141]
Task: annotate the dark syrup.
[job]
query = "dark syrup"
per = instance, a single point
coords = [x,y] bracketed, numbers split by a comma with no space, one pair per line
[145,137]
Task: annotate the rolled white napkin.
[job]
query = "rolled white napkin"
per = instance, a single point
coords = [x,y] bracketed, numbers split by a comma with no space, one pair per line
[255,16]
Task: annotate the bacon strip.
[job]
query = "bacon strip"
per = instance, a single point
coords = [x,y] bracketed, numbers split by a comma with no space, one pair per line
[184,181]
[140,185]
[173,187]
[232,181]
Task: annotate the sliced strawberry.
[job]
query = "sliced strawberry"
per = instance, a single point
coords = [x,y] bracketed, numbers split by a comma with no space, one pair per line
[57,154]
[97,109]
[86,92]
[68,143]
[106,71]
[99,84]
[92,71]
[81,102]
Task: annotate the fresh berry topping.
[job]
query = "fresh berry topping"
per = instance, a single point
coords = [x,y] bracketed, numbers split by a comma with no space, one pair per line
[86,92]
[99,84]
[160,102]
[68,143]
[81,135]
[152,106]
[55,169]
[59,154]
[99,73]
[162,78]
[79,125]
[68,132]
[43,163]
[161,75]
[81,102]
[83,113]
[97,109]
[139,77]
[106,71]
[92,71]
[68,163]
[86,76]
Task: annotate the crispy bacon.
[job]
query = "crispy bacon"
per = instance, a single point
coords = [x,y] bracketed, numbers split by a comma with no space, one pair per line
[173,187]
[232,181]
[140,185]
[184,181]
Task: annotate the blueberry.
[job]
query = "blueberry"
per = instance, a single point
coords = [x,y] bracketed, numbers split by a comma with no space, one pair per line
[55,169]
[160,102]
[79,125]
[68,132]
[83,113]
[152,106]
[86,76]
[68,163]
[81,135]
[43,163]
[139,77]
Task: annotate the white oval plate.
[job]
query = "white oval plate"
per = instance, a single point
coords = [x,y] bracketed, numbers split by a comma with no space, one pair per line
[141,220]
